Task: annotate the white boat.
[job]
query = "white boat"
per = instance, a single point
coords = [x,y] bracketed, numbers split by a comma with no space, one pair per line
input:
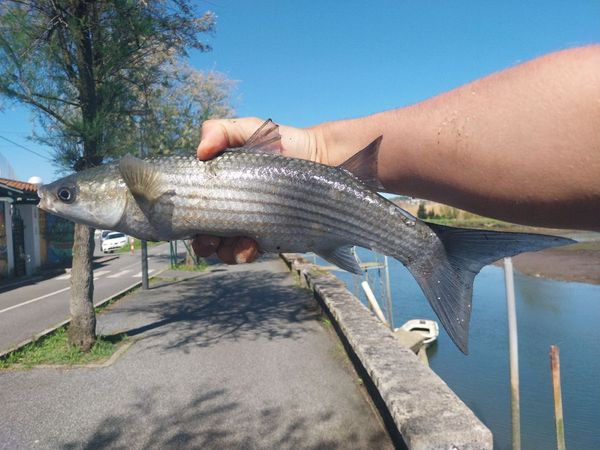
[428,328]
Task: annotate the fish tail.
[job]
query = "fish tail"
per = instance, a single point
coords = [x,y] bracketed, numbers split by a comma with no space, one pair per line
[446,277]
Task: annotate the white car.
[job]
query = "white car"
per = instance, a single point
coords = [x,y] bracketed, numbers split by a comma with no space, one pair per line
[101,234]
[113,241]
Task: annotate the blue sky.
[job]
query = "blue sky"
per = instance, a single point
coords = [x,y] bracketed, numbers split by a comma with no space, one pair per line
[302,63]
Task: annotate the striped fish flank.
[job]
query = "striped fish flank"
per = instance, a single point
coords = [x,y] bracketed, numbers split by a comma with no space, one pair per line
[288,205]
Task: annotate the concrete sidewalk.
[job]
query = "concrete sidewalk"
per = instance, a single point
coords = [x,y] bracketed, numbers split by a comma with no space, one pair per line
[236,358]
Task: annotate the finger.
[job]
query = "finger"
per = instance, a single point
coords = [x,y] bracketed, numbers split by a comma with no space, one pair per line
[205,246]
[217,135]
[214,140]
[298,143]
[245,250]
[225,250]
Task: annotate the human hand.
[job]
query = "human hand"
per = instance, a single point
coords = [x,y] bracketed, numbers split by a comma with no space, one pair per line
[217,135]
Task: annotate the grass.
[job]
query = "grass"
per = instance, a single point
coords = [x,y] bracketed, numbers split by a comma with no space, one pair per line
[476,222]
[137,245]
[200,267]
[54,349]
[325,321]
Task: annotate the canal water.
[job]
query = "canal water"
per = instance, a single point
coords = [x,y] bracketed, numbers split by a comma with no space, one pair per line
[549,313]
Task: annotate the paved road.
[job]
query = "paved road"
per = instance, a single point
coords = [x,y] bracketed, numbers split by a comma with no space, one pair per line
[231,359]
[32,308]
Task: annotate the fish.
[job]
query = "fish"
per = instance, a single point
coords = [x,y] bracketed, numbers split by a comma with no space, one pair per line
[288,205]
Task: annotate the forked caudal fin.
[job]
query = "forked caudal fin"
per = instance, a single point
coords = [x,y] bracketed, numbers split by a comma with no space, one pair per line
[447,280]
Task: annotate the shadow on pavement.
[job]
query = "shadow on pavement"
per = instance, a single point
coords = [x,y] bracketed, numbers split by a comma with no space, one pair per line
[222,305]
[213,420]
[228,359]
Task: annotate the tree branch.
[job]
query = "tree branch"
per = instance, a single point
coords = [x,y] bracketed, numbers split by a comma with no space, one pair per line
[55,99]
[41,106]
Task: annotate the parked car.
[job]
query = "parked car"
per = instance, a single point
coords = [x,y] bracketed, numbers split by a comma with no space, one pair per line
[112,241]
[103,234]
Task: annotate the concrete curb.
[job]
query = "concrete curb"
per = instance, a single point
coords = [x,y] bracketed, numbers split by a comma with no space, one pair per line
[424,410]
[105,258]
[41,334]
[109,362]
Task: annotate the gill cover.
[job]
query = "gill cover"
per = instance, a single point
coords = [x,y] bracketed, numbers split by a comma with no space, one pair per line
[95,197]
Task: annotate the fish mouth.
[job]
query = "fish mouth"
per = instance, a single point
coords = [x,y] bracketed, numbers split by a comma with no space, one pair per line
[44,202]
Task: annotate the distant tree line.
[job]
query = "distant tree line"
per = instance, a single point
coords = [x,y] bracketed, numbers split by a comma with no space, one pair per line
[446,212]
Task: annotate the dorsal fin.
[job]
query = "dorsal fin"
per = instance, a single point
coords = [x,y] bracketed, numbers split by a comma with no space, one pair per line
[265,139]
[142,179]
[363,165]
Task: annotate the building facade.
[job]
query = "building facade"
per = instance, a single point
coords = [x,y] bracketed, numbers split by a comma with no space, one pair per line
[30,239]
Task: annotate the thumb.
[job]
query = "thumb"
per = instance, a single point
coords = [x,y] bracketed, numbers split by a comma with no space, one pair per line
[217,135]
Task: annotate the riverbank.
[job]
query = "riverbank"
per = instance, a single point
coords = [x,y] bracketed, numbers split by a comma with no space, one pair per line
[579,262]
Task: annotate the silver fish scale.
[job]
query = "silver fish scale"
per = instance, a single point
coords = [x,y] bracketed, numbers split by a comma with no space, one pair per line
[285,204]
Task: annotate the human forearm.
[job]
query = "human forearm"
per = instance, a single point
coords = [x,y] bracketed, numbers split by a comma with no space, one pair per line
[521,145]
[515,145]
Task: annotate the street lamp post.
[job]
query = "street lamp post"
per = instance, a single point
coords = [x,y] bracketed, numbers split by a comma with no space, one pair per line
[144,247]
[143,243]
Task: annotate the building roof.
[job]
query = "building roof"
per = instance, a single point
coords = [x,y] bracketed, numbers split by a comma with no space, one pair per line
[18,192]
[20,185]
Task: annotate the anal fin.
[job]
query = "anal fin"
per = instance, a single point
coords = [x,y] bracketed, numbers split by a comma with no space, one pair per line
[342,257]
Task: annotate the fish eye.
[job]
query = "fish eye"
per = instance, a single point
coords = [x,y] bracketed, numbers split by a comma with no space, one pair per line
[66,194]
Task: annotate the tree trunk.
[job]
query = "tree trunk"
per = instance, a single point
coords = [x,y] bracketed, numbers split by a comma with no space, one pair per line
[82,330]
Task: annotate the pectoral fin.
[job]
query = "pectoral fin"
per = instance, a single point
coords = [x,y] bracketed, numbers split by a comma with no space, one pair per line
[145,184]
[143,180]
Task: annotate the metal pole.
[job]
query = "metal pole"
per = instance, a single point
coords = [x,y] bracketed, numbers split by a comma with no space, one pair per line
[143,243]
[145,284]
[558,410]
[513,349]
[388,292]
[355,289]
